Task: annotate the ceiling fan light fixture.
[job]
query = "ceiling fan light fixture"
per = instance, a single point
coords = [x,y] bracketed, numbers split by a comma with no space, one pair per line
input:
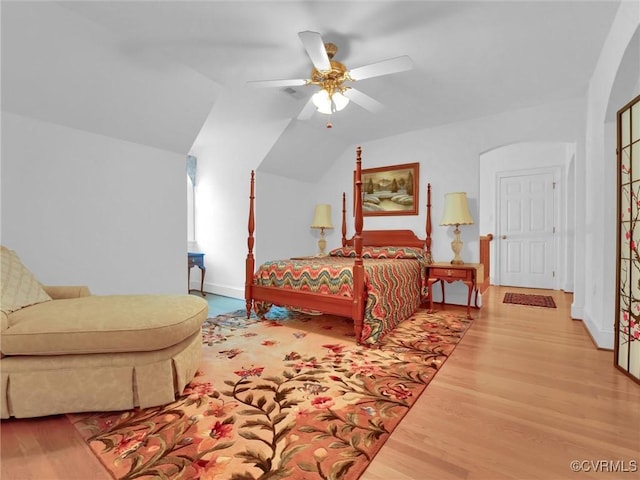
[327,103]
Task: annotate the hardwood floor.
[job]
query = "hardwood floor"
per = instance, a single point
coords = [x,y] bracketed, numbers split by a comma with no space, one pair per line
[524,394]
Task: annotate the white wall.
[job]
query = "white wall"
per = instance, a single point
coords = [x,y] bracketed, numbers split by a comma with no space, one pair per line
[81,208]
[94,140]
[597,263]
[228,148]
[287,233]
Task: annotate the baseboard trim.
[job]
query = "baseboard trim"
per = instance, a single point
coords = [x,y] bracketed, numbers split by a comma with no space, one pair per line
[593,340]
[602,339]
[577,312]
[224,290]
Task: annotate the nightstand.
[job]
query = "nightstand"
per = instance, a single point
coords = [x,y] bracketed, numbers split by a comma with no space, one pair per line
[468,273]
[196,260]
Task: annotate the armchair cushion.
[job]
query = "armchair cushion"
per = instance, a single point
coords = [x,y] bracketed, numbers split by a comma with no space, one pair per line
[103,324]
[19,287]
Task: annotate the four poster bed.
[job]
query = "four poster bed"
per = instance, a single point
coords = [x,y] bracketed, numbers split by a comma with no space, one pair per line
[377,278]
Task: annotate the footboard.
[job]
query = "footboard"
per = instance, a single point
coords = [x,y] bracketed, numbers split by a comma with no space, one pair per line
[326,303]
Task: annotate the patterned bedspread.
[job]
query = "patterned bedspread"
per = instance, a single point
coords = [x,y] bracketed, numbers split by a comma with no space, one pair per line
[393,285]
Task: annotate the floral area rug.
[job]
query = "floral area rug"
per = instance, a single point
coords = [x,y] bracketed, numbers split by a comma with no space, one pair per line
[289,397]
[530,300]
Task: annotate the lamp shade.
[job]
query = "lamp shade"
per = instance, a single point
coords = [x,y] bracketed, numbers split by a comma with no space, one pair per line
[322,217]
[456,209]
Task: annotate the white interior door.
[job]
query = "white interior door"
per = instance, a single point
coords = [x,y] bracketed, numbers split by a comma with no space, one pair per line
[527,231]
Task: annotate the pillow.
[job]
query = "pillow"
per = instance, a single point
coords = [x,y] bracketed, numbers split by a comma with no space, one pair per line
[380,252]
[18,287]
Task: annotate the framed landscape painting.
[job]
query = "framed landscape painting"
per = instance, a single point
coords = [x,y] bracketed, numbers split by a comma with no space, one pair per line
[390,190]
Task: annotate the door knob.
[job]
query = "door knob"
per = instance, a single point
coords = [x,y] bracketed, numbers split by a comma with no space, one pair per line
[504,237]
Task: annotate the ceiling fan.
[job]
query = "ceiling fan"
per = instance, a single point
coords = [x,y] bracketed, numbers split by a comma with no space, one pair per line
[332,78]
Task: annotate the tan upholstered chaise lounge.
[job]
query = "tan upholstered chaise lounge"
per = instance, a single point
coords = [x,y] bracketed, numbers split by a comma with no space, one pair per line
[70,351]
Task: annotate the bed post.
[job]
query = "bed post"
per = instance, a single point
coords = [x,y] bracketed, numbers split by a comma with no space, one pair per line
[358,268]
[250,262]
[344,219]
[428,230]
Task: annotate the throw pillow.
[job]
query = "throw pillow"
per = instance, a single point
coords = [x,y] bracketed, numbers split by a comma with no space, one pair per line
[19,288]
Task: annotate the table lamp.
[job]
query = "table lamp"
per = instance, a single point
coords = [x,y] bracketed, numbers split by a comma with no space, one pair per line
[456,212]
[322,220]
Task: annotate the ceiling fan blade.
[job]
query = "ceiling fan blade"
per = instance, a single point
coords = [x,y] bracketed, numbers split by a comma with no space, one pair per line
[364,100]
[393,65]
[307,111]
[314,46]
[295,82]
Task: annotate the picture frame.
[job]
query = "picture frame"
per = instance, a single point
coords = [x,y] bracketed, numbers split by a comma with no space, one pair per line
[390,190]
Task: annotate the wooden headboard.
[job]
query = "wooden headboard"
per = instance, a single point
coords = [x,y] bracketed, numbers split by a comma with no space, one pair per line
[396,238]
[385,238]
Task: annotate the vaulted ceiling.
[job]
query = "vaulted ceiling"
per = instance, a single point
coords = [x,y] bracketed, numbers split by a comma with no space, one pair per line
[152,71]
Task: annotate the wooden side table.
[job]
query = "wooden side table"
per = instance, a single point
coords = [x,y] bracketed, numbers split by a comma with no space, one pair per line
[468,273]
[196,260]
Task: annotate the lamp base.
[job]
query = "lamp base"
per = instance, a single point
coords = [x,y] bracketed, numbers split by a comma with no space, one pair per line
[456,246]
[322,244]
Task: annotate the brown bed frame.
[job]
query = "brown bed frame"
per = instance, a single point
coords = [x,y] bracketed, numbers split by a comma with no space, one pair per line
[350,307]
